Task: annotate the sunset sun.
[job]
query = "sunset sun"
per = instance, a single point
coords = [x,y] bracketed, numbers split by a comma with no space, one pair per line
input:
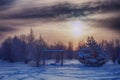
[77,28]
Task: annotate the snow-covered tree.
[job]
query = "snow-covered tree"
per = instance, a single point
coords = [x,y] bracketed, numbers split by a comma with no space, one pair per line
[40,45]
[18,49]
[30,47]
[6,50]
[34,48]
[117,51]
[112,48]
[92,54]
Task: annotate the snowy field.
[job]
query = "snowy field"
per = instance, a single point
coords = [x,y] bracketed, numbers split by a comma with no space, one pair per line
[72,70]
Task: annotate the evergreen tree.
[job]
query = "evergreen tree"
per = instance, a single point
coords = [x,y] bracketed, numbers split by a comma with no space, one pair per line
[92,54]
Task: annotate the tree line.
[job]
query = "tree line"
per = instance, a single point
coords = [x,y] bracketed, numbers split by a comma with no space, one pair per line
[27,48]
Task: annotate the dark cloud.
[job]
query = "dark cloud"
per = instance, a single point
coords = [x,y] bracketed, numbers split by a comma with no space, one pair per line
[63,11]
[7,29]
[111,23]
[6,2]
[66,10]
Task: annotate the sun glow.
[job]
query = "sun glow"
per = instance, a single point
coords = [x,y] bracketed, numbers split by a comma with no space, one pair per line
[77,28]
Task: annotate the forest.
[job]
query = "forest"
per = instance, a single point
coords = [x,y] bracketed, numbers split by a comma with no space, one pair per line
[28,48]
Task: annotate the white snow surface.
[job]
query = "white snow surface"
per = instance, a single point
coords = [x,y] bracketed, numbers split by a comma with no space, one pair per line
[72,70]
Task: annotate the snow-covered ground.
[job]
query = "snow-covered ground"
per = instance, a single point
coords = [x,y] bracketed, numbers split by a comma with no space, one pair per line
[72,70]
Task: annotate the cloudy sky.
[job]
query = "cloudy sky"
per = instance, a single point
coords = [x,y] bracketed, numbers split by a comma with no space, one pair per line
[61,20]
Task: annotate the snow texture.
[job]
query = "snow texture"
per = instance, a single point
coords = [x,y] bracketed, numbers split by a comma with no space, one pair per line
[72,70]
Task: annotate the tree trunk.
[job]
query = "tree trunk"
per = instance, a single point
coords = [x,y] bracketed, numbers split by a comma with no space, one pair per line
[62,59]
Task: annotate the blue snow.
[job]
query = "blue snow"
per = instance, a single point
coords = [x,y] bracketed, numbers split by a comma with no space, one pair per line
[72,70]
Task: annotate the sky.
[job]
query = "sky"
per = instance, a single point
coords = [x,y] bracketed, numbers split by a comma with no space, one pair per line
[61,20]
